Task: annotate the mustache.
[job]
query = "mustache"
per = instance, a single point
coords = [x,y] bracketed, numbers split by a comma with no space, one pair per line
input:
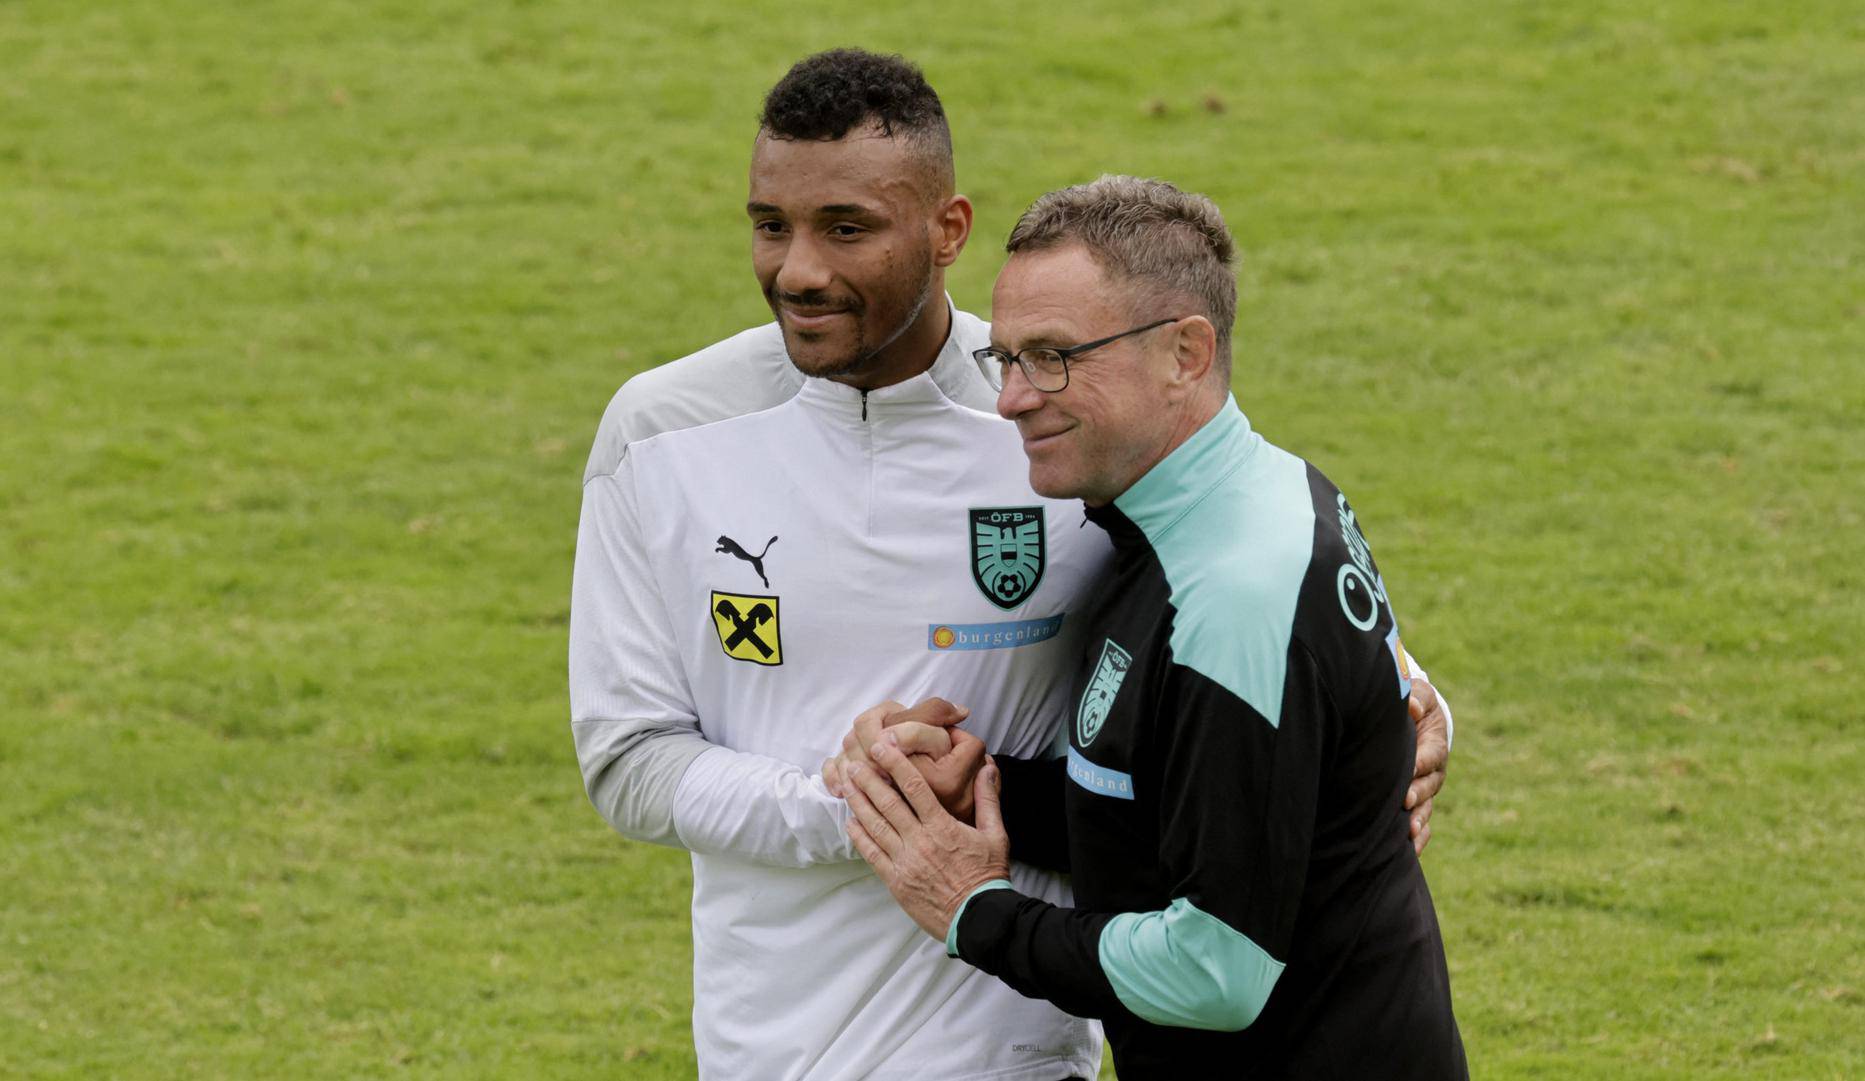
[815,300]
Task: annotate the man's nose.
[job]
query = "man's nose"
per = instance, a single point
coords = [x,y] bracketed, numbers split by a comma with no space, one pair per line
[1017,396]
[804,270]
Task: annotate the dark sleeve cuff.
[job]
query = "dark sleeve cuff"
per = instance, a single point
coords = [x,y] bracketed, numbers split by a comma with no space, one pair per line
[951,933]
[1041,950]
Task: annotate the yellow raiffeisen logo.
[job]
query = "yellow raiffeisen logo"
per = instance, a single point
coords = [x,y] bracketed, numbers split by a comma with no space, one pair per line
[747,627]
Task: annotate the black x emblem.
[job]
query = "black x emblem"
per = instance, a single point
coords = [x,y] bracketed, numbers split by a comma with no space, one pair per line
[747,627]
[759,615]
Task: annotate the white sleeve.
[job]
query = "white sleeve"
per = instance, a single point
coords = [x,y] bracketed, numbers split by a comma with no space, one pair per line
[758,808]
[648,769]
[1418,672]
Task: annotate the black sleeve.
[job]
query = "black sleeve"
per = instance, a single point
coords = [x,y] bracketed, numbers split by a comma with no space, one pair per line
[1041,950]
[1034,810]
[1234,835]
[1237,831]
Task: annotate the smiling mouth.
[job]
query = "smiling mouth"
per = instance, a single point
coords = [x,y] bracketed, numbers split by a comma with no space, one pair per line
[1032,442]
[809,320]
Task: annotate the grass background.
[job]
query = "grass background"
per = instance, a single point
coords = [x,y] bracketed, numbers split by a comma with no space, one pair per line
[307,314]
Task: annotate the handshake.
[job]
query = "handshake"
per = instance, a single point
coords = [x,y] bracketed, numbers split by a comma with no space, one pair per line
[946,756]
[923,807]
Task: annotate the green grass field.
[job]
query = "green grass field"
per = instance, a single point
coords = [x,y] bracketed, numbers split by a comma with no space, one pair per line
[308,312]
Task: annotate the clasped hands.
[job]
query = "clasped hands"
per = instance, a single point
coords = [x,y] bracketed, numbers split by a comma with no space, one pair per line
[915,784]
[949,758]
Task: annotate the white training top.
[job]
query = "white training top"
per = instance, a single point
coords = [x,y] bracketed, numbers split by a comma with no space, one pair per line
[761,557]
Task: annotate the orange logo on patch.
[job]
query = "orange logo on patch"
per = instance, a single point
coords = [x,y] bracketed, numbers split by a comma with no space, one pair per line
[943,637]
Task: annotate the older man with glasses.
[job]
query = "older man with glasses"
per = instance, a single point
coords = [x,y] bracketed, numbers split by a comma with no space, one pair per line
[1246,896]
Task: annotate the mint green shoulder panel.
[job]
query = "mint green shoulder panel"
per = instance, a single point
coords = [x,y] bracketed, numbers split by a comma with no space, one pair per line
[1234,554]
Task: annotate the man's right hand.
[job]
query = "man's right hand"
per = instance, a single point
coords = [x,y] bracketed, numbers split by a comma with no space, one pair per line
[1434,751]
[947,756]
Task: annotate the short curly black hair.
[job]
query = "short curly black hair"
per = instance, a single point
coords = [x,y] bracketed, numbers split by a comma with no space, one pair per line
[829,94]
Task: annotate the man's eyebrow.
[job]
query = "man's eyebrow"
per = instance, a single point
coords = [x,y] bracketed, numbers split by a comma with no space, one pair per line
[829,210]
[1040,338]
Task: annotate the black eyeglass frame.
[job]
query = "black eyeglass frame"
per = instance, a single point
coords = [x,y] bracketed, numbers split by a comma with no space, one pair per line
[990,356]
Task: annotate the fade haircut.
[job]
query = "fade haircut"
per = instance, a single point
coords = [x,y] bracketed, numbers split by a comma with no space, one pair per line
[1171,244]
[827,95]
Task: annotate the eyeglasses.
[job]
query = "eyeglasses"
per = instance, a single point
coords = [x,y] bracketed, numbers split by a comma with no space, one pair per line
[1045,367]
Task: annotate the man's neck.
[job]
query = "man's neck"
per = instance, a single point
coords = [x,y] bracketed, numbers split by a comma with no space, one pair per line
[1197,413]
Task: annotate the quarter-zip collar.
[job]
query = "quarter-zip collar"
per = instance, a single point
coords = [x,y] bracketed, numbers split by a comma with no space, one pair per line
[953,376]
[1168,491]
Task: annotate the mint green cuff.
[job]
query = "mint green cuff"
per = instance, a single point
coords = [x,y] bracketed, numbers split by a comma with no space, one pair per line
[1186,968]
[951,931]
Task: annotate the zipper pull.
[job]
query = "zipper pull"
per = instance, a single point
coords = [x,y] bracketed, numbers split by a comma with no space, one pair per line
[864,407]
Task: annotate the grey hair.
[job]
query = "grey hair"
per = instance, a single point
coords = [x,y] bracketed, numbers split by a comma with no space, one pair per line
[1171,243]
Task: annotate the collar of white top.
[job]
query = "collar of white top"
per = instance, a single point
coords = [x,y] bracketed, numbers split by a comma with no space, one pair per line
[953,377]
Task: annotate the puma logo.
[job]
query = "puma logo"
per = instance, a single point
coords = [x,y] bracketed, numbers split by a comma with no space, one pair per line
[730,547]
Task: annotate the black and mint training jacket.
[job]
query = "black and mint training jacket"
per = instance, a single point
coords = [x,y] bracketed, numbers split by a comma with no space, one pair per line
[1249,904]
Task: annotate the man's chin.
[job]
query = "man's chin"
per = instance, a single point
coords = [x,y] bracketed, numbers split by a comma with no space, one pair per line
[1057,475]
[822,359]
[1050,483]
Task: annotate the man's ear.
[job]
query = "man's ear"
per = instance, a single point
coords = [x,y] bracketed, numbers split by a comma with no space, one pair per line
[1195,352]
[951,228]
